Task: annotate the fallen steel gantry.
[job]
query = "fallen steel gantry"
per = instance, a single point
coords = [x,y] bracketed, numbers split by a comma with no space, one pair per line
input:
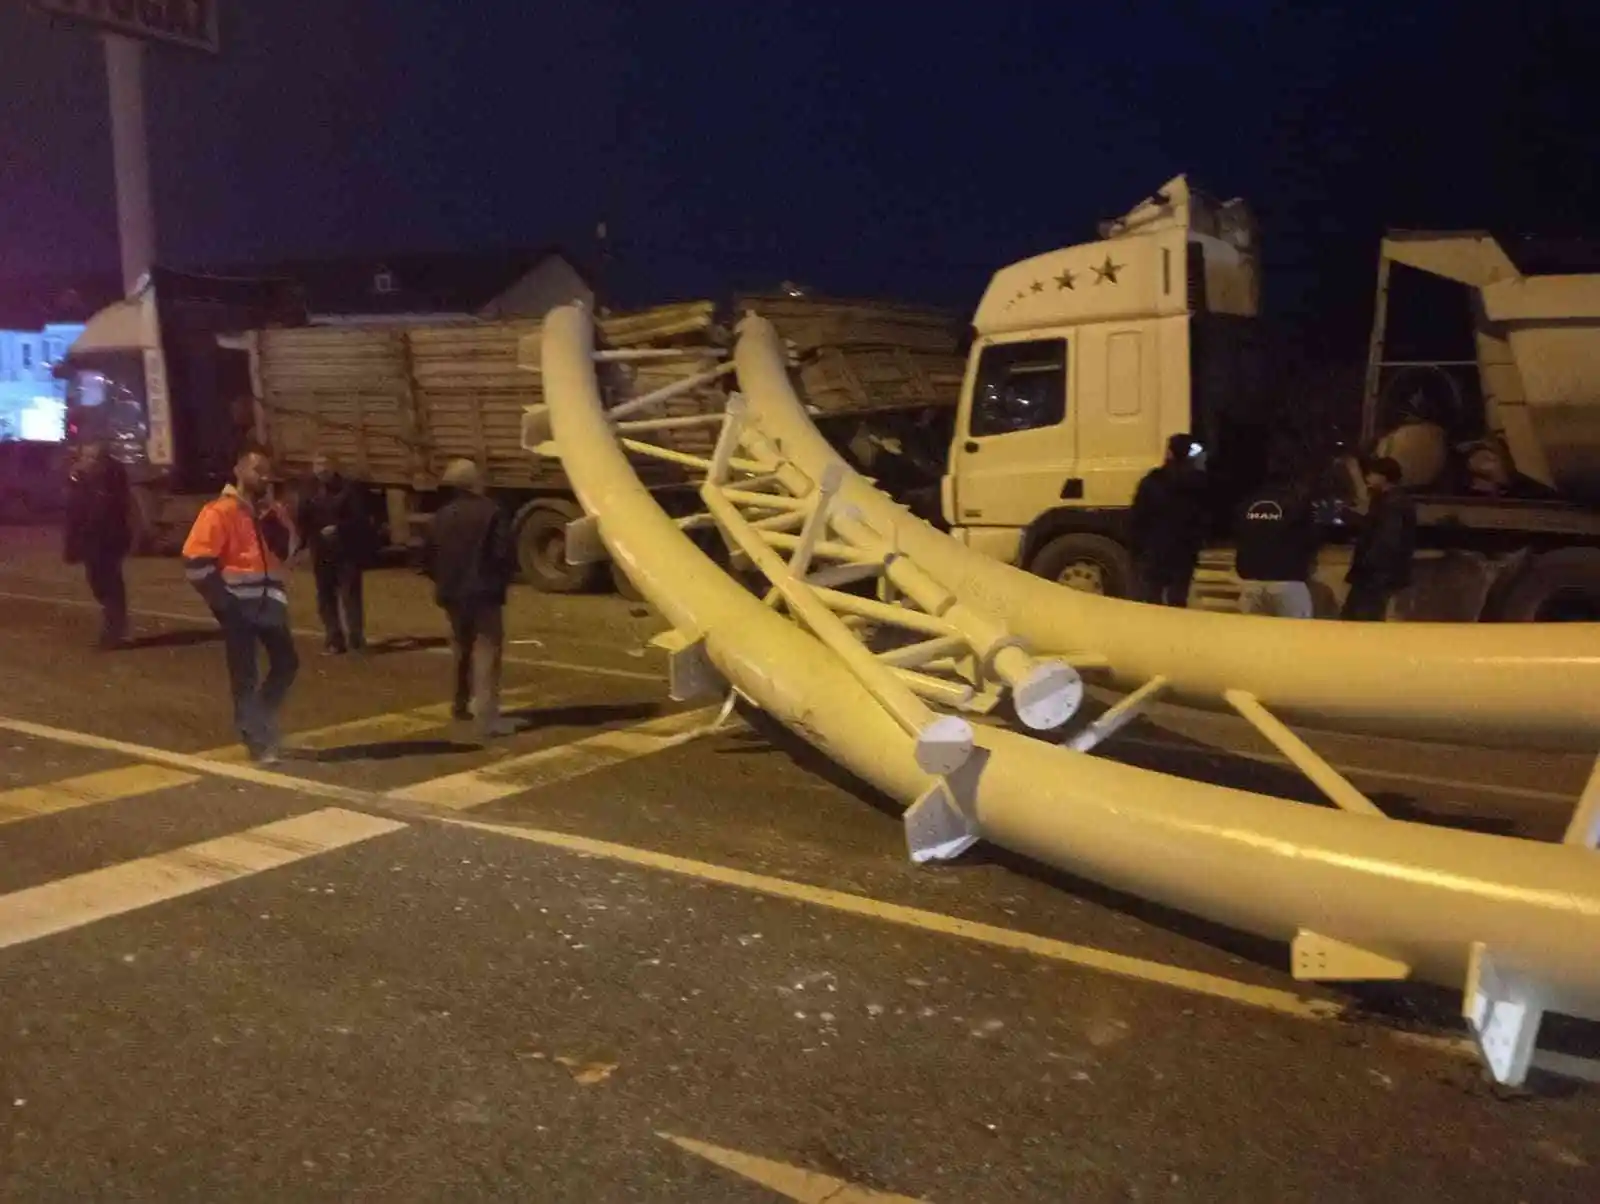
[1525,684]
[1513,924]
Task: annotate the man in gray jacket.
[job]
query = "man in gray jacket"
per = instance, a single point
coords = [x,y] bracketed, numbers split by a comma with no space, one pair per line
[469,555]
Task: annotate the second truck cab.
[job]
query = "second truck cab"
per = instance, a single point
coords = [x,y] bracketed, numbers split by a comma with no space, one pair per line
[1085,361]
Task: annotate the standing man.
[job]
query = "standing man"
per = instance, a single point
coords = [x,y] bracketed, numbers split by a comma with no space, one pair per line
[1169,523]
[470,557]
[99,534]
[1276,542]
[1380,567]
[333,523]
[234,556]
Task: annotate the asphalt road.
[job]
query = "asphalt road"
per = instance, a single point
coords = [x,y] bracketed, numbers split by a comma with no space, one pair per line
[619,957]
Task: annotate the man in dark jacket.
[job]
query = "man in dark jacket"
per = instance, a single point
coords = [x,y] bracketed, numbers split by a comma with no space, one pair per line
[333,522]
[1275,543]
[1381,565]
[470,557]
[99,534]
[1168,523]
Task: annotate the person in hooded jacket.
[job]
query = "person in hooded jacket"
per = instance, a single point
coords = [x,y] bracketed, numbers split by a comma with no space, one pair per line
[471,558]
[1380,565]
[334,524]
[99,534]
[1168,523]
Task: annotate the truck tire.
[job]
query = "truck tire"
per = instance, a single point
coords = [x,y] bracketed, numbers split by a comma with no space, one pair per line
[1558,587]
[1094,564]
[541,532]
[624,585]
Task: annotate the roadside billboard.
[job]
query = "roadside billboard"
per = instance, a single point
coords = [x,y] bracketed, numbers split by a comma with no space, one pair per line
[191,23]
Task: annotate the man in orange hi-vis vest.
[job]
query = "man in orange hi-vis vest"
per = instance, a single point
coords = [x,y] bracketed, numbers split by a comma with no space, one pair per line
[234,556]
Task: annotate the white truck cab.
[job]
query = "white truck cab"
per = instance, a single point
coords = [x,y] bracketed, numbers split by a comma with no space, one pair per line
[1085,360]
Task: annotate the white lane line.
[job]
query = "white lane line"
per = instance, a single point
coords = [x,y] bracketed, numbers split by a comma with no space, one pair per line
[1197,982]
[1354,771]
[475,787]
[87,790]
[187,761]
[69,903]
[206,622]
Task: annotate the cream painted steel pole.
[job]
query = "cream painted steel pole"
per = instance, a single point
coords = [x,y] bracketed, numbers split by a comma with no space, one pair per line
[1514,923]
[1534,684]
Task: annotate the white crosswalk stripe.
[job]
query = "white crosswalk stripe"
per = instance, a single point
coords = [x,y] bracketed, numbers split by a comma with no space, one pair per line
[68,903]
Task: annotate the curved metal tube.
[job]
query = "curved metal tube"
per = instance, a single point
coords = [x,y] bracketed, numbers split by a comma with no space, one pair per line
[1523,683]
[1432,903]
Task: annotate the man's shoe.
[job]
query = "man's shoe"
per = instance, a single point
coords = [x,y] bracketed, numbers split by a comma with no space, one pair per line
[500,727]
[333,650]
[461,712]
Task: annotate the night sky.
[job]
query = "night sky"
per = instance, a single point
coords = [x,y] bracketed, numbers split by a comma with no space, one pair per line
[888,152]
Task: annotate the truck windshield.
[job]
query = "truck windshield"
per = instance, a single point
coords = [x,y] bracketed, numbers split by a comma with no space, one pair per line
[106,400]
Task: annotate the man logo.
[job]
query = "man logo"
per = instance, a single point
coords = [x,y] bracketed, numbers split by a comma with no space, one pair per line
[1265,511]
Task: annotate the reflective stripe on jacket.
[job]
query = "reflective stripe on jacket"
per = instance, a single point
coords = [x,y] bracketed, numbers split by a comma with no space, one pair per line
[234,556]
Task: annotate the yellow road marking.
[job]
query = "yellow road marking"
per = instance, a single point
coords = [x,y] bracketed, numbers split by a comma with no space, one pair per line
[1286,1003]
[474,788]
[371,729]
[1195,981]
[790,1182]
[188,761]
[86,790]
[68,903]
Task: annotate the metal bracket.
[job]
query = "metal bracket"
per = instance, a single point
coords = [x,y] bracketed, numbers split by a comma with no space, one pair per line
[1323,776]
[1123,712]
[690,674]
[938,826]
[1503,1013]
[1584,828]
[536,429]
[583,542]
[1318,958]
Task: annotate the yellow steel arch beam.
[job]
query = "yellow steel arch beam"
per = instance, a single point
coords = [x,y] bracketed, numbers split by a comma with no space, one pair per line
[1523,684]
[1512,923]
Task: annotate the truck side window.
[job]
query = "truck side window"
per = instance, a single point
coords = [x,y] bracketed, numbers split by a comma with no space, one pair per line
[1020,387]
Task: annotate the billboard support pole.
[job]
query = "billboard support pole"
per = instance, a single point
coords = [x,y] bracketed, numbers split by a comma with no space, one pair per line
[136,226]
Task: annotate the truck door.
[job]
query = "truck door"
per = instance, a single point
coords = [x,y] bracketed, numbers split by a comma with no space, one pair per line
[1119,431]
[1015,451]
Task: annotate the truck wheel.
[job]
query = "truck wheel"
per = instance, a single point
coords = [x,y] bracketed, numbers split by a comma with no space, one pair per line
[1558,587]
[1091,563]
[542,551]
[624,585]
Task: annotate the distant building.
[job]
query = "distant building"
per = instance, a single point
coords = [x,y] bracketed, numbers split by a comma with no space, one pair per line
[445,287]
[32,400]
[39,319]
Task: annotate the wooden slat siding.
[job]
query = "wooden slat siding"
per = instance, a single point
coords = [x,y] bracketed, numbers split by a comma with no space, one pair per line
[334,390]
[396,405]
